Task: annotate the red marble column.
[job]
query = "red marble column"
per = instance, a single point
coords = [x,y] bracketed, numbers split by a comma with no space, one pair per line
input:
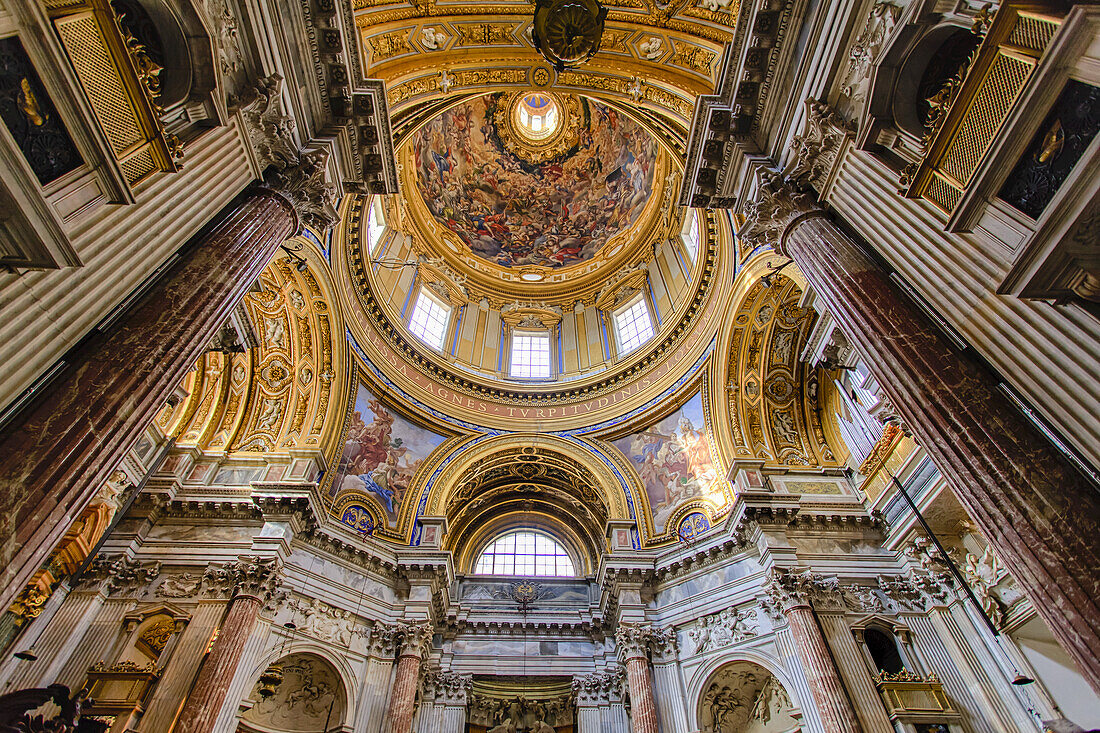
[643,707]
[833,705]
[790,593]
[633,642]
[61,448]
[200,711]
[249,581]
[1039,513]
[414,642]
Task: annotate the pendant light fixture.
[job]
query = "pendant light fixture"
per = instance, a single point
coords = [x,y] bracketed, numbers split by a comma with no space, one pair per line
[568,32]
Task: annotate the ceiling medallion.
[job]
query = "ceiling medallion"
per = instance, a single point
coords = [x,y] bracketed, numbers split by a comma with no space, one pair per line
[568,32]
[558,119]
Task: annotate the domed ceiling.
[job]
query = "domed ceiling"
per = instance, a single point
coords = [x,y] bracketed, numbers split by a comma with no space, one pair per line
[536,179]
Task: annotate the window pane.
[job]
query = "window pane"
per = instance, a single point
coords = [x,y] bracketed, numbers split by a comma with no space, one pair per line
[530,355]
[691,236]
[634,326]
[429,320]
[525,553]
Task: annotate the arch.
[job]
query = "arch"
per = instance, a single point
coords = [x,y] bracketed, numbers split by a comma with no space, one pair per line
[315,688]
[770,406]
[743,692]
[491,483]
[280,386]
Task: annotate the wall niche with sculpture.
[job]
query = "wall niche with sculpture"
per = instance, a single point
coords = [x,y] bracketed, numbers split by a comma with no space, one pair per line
[743,697]
[308,697]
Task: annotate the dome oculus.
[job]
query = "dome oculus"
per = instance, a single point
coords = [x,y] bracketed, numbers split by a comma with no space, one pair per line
[537,116]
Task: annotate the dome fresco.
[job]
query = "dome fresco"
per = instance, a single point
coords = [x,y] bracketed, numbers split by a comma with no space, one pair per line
[513,212]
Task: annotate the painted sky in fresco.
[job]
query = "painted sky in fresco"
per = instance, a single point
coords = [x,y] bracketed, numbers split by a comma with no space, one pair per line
[673,459]
[512,212]
[382,453]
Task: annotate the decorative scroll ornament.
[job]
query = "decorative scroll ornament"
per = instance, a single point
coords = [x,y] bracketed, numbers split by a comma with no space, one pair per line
[148,74]
[568,32]
[183,585]
[779,202]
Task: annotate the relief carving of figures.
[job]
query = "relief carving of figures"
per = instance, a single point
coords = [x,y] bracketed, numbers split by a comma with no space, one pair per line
[310,693]
[183,585]
[853,86]
[726,627]
[983,573]
[743,697]
[510,715]
[120,574]
[327,623]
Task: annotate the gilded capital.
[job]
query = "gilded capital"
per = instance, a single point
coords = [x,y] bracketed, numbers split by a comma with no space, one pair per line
[780,202]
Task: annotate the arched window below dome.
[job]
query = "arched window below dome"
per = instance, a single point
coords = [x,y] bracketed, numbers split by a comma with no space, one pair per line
[525,552]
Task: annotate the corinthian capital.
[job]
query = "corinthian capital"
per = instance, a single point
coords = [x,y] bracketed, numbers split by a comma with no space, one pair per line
[299,176]
[415,639]
[119,574]
[600,686]
[787,589]
[637,640]
[448,687]
[249,575]
[779,202]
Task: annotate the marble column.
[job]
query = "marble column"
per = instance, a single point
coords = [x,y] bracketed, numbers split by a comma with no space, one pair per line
[62,447]
[594,694]
[376,680]
[633,642]
[415,640]
[449,691]
[249,583]
[1039,513]
[789,593]
[667,686]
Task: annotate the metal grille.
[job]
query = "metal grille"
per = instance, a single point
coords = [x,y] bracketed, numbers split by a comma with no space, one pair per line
[1031,32]
[139,165]
[984,116]
[942,194]
[101,80]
